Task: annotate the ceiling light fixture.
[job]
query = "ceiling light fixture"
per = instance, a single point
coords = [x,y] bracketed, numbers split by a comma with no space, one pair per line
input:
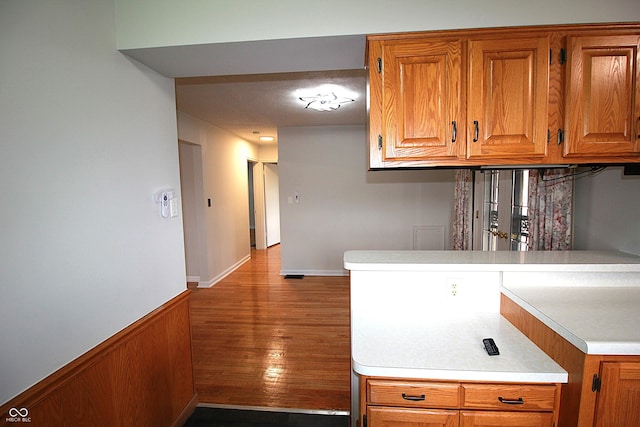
[267,138]
[325,101]
[324,98]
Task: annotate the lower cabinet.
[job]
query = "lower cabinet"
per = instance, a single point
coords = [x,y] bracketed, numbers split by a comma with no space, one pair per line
[506,419]
[399,403]
[619,401]
[401,417]
[603,390]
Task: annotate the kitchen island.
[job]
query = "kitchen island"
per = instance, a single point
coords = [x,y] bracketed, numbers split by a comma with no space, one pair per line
[421,316]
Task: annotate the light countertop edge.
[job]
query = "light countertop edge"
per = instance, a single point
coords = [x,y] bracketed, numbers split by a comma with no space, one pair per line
[411,260]
[461,375]
[555,326]
[598,343]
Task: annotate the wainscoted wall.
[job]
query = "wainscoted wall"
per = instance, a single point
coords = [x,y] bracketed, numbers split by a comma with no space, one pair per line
[141,376]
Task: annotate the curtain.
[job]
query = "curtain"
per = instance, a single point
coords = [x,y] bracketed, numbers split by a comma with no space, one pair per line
[550,209]
[463,210]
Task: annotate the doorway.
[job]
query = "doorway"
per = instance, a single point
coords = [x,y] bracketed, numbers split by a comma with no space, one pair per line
[193,218]
[272,203]
[252,203]
[501,218]
[264,204]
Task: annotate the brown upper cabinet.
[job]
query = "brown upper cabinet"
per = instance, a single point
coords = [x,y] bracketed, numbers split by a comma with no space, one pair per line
[421,99]
[603,96]
[506,96]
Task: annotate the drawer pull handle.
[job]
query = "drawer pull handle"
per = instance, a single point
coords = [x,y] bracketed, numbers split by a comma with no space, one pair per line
[414,398]
[517,401]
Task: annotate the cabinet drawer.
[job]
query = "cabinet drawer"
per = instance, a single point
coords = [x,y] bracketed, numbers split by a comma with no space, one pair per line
[413,394]
[509,397]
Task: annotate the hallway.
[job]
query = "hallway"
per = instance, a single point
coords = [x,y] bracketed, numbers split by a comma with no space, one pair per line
[260,340]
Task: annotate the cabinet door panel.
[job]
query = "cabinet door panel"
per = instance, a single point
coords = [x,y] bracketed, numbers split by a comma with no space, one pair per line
[421,98]
[505,419]
[396,417]
[603,96]
[619,399]
[508,98]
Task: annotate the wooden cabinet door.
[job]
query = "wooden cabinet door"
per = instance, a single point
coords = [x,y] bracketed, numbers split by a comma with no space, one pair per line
[508,98]
[401,417]
[603,96]
[505,419]
[421,92]
[619,399]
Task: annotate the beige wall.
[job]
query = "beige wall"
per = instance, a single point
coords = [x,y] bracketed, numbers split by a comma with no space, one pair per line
[225,225]
[343,206]
[88,137]
[606,211]
[153,23]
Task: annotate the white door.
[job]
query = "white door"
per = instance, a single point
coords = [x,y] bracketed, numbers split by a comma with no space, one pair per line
[272,203]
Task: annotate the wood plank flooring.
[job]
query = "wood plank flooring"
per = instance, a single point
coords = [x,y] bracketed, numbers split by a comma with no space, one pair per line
[261,340]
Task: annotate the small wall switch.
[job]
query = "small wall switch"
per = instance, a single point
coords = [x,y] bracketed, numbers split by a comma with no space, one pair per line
[173,208]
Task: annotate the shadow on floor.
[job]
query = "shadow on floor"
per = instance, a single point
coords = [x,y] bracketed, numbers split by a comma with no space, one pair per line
[214,417]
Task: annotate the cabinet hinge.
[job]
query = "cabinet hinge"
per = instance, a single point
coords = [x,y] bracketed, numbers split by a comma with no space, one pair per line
[548,136]
[560,136]
[596,383]
[563,56]
[379,142]
[550,56]
[364,421]
[379,65]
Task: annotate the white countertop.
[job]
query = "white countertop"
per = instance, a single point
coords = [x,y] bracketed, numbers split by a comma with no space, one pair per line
[396,260]
[596,319]
[592,298]
[444,348]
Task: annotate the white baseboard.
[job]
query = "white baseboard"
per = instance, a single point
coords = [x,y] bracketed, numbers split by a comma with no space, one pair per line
[224,274]
[193,279]
[315,272]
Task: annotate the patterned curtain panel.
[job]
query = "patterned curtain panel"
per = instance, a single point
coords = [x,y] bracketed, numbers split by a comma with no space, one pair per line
[550,207]
[463,210]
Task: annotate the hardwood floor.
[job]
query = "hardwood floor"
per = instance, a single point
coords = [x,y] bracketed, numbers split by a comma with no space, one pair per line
[260,340]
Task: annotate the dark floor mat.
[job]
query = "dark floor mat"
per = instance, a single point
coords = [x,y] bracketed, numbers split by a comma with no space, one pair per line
[215,417]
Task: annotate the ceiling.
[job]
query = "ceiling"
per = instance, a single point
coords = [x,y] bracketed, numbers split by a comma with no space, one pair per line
[257,105]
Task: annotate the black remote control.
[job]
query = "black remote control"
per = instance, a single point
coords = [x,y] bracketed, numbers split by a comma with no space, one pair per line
[490,346]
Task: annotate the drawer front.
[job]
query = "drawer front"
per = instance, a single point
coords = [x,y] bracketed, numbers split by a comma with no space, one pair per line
[509,397]
[413,394]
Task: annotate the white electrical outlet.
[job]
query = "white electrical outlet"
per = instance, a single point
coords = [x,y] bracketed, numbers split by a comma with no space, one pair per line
[454,286]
